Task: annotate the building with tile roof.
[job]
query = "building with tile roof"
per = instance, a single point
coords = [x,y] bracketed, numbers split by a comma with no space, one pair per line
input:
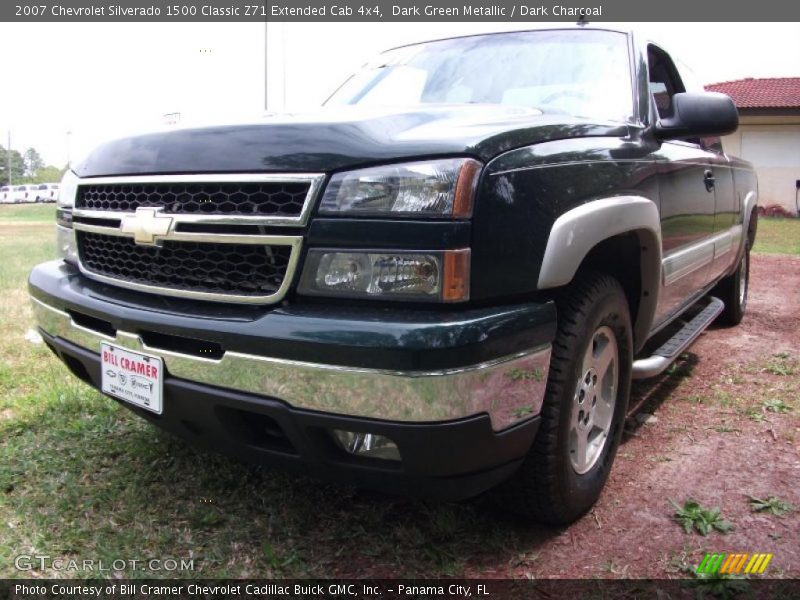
[768,135]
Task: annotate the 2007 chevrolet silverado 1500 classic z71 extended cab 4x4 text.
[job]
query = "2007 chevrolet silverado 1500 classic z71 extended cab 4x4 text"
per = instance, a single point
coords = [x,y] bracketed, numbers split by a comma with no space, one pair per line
[442,282]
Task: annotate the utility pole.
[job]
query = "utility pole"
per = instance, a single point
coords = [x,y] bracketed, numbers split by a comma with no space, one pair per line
[8,157]
[274,80]
[283,66]
[69,134]
[266,64]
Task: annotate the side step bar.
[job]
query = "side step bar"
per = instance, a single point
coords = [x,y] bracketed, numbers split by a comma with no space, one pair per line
[673,347]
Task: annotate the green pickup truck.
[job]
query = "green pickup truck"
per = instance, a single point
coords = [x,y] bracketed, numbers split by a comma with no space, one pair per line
[441,282]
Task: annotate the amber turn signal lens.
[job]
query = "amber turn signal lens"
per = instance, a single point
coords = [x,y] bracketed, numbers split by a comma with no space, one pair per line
[466,184]
[455,283]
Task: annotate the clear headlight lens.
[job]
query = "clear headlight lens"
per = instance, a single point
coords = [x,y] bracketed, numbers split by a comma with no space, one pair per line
[66,243]
[68,190]
[436,188]
[386,275]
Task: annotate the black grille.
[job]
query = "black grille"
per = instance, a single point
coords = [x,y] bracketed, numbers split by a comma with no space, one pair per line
[242,269]
[280,199]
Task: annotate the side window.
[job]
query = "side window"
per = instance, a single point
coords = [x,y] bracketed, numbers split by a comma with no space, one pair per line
[664,80]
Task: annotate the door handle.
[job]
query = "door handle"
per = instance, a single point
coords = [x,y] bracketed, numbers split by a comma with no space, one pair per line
[708,179]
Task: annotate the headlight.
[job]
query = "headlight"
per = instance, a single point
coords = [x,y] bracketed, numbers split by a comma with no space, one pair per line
[436,188]
[65,234]
[385,275]
[68,189]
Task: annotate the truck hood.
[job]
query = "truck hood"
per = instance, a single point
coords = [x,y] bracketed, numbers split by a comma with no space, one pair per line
[340,138]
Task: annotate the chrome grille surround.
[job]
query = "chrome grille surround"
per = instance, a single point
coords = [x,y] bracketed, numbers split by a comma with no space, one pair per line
[116,223]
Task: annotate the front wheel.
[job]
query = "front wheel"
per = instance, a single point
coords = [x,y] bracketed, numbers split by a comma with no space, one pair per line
[584,408]
[733,291]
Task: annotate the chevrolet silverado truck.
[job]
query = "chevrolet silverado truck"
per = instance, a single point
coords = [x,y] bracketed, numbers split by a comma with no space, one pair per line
[441,282]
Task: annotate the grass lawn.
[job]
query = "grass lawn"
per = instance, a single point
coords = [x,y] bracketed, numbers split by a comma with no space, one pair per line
[82,478]
[27,213]
[778,236]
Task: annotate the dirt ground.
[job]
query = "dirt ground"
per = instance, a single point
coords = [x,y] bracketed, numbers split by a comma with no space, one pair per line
[713,440]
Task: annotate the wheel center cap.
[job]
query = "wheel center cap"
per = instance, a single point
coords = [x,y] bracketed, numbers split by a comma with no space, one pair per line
[587,399]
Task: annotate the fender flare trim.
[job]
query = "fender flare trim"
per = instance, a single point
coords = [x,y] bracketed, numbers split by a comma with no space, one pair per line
[580,229]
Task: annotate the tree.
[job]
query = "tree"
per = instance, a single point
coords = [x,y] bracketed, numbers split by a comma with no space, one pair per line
[32,161]
[49,174]
[17,166]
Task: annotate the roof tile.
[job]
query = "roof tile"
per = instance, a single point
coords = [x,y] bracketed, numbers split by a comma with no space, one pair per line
[776,92]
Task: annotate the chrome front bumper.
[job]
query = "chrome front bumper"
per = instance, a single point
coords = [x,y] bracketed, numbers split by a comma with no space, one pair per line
[510,389]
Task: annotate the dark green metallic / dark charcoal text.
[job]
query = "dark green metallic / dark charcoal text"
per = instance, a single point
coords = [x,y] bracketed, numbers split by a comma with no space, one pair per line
[496,10]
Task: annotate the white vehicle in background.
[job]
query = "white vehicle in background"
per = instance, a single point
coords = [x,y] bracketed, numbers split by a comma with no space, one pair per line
[46,192]
[24,193]
[6,195]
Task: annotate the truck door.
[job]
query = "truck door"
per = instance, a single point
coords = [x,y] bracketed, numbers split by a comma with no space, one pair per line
[686,191]
[727,205]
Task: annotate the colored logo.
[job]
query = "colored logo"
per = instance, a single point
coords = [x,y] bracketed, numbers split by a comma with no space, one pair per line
[734,563]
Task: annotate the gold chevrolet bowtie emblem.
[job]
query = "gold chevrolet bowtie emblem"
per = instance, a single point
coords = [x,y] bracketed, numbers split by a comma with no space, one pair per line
[146,225]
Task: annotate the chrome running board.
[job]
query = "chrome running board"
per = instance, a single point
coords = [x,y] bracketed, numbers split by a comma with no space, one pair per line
[665,355]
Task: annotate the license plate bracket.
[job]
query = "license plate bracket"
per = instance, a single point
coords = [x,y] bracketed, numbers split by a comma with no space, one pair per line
[133,377]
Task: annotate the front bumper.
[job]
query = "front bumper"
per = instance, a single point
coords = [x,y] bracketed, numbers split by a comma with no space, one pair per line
[448,415]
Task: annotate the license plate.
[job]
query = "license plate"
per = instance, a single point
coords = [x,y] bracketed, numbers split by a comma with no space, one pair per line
[133,377]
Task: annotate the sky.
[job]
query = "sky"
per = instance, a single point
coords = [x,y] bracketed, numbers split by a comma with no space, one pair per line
[69,87]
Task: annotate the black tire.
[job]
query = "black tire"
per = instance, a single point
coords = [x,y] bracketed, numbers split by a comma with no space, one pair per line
[733,291]
[548,487]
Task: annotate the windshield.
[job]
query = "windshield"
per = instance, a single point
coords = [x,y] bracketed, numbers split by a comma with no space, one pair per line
[584,73]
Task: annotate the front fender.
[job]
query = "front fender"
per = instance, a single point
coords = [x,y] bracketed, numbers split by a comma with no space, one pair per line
[575,233]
